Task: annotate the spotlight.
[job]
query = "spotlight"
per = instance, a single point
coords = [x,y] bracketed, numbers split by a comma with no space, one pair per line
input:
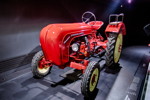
[129,1]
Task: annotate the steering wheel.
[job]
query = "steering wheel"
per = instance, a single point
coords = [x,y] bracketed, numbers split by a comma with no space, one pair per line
[87,17]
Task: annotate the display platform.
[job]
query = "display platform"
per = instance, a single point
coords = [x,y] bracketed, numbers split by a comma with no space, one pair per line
[126,84]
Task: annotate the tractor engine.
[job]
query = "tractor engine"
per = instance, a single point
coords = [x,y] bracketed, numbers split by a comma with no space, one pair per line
[80,48]
[85,47]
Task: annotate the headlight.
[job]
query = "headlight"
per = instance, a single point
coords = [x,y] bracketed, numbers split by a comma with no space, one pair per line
[75,47]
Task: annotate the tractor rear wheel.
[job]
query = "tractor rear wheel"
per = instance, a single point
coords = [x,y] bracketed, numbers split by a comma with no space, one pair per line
[38,69]
[113,50]
[90,79]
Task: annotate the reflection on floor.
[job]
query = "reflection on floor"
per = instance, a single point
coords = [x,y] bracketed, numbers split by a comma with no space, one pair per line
[123,85]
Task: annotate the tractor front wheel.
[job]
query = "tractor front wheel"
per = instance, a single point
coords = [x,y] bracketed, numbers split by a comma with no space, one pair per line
[90,79]
[38,69]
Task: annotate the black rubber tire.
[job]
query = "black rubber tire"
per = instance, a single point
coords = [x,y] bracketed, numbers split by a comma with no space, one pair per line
[85,84]
[34,66]
[110,63]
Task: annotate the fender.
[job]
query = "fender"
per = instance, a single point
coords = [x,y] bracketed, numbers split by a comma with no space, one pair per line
[115,27]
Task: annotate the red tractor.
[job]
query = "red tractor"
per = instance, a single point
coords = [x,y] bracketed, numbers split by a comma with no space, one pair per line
[72,44]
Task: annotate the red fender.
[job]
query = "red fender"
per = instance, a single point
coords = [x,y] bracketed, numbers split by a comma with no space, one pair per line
[115,27]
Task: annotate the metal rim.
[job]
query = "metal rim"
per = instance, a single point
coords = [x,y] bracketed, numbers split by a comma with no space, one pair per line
[42,68]
[118,48]
[94,79]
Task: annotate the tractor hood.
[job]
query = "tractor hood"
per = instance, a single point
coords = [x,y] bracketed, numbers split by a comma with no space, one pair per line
[52,38]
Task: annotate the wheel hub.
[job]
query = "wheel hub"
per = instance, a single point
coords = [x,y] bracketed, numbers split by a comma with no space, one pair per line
[43,66]
[118,48]
[94,79]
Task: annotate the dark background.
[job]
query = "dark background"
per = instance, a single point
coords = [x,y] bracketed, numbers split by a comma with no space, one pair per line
[22,20]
